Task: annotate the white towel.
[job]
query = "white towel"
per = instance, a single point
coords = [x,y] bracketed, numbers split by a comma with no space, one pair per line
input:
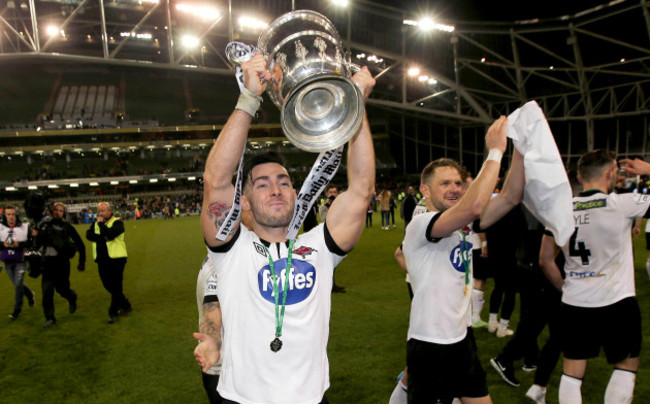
[547,193]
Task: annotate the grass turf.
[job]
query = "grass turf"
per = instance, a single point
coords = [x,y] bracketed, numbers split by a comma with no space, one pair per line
[146,357]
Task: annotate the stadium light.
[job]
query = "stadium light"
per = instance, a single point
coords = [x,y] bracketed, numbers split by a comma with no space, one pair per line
[133,181]
[153,180]
[10,188]
[53,30]
[94,184]
[74,185]
[191,178]
[53,186]
[171,179]
[206,13]
[423,78]
[32,187]
[428,24]
[413,71]
[190,41]
[114,182]
[432,81]
[252,23]
[341,3]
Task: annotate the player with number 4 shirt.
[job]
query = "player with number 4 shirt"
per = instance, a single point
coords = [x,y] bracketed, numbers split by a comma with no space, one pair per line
[599,307]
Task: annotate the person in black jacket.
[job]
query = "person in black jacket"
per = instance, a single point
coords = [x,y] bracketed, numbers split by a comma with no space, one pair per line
[109,252]
[60,242]
[408,205]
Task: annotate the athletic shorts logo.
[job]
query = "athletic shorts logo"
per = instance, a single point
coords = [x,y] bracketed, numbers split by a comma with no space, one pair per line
[464,248]
[302,277]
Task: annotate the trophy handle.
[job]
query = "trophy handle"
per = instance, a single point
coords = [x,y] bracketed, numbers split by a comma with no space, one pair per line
[239,52]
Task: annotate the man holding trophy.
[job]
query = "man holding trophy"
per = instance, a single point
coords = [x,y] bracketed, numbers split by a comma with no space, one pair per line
[273,287]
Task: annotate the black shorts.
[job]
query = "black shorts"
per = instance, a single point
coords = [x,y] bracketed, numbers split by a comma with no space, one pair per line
[481,266]
[438,373]
[616,328]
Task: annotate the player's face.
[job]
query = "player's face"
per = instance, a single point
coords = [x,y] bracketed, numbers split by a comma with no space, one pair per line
[333,192]
[10,214]
[444,189]
[271,195]
[58,212]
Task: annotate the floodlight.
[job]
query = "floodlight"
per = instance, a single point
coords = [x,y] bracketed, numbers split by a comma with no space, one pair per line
[52,30]
[133,181]
[423,78]
[94,184]
[340,3]
[172,179]
[432,81]
[10,188]
[114,182]
[153,180]
[191,178]
[252,23]
[32,187]
[413,71]
[52,186]
[207,13]
[74,185]
[190,41]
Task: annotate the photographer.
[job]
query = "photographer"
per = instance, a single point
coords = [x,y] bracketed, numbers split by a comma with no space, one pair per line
[60,241]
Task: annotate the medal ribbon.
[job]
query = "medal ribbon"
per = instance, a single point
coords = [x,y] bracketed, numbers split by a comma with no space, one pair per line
[464,250]
[279,313]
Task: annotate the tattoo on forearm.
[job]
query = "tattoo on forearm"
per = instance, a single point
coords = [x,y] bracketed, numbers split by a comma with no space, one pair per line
[218,211]
[208,324]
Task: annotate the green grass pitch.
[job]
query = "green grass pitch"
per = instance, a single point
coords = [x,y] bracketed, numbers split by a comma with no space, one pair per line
[146,357]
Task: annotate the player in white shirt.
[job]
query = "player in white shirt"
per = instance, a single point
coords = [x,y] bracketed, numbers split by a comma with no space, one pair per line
[209,308]
[599,307]
[251,264]
[441,350]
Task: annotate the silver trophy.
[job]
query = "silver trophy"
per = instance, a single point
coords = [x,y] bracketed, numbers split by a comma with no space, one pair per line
[321,108]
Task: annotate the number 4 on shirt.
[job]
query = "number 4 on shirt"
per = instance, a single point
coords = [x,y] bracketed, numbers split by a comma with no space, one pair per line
[581,251]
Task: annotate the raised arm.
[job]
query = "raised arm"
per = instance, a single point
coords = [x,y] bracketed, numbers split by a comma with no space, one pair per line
[226,152]
[479,193]
[511,194]
[636,166]
[547,253]
[346,217]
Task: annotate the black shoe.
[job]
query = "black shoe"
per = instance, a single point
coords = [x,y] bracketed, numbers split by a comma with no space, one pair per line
[338,289]
[49,323]
[111,320]
[73,306]
[30,299]
[14,315]
[125,311]
[507,373]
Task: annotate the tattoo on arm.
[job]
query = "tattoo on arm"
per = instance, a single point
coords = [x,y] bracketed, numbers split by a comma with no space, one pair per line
[208,324]
[218,211]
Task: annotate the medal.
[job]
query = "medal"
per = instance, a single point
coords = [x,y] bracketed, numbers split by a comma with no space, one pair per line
[276,344]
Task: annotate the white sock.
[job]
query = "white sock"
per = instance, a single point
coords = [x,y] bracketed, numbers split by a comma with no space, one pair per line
[569,391]
[503,325]
[400,394]
[477,304]
[493,317]
[647,266]
[621,387]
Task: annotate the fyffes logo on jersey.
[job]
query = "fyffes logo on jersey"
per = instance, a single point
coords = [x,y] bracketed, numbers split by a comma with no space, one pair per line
[461,252]
[302,277]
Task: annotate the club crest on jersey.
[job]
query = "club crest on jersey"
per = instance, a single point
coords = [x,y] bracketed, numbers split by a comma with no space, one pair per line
[304,251]
[260,249]
[302,278]
[462,251]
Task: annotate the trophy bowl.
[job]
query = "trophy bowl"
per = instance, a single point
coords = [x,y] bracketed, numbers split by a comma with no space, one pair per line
[321,108]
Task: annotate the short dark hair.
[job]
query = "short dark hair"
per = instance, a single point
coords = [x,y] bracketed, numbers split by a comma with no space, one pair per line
[259,159]
[430,168]
[330,186]
[10,207]
[592,164]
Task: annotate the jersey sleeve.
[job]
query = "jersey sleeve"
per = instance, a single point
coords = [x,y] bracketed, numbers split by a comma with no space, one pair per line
[632,205]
